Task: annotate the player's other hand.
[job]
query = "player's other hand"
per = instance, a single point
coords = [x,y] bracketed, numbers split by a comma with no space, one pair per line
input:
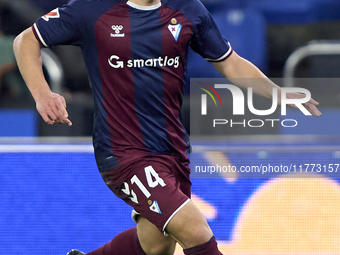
[52,108]
[311,105]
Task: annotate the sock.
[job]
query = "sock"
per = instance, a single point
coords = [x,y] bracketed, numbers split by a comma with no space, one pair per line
[209,248]
[126,243]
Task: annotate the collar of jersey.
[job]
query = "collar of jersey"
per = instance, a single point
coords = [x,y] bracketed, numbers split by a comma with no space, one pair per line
[144,8]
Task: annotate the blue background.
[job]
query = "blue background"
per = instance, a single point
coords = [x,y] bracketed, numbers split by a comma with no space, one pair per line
[54,202]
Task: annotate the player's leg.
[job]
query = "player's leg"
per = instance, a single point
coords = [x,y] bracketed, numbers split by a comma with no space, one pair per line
[152,240]
[191,230]
[125,243]
[188,226]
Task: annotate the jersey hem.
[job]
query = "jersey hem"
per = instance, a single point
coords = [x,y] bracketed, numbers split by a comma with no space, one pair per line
[38,36]
[135,215]
[172,215]
[224,56]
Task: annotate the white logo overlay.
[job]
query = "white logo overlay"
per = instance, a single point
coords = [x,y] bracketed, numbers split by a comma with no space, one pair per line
[175,30]
[115,62]
[117,29]
[239,102]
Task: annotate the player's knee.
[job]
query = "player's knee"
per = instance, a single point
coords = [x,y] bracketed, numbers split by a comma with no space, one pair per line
[166,247]
[196,237]
[189,227]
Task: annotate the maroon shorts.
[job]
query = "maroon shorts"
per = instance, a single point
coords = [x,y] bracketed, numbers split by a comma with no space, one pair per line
[155,186]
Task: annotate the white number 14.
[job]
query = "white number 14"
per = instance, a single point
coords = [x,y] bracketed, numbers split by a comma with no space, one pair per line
[152,178]
[149,173]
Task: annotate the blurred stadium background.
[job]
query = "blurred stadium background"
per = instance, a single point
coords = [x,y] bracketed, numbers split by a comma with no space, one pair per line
[53,199]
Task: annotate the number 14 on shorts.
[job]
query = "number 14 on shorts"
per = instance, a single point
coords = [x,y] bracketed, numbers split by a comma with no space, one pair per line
[152,179]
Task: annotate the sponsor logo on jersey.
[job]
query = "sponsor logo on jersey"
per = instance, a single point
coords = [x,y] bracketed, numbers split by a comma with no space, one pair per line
[115,62]
[54,14]
[155,207]
[174,28]
[117,31]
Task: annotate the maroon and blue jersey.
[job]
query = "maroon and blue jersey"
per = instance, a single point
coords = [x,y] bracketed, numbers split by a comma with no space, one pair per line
[136,60]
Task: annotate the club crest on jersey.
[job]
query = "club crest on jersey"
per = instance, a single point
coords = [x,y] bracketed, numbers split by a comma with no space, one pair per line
[174,28]
[54,14]
[117,29]
[154,207]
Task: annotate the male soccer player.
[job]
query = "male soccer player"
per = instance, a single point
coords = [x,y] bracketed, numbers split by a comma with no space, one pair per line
[135,52]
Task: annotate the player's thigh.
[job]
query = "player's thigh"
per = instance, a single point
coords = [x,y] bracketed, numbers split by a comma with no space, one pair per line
[154,242]
[189,227]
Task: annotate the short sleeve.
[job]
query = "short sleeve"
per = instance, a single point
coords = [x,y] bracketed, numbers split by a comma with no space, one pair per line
[207,39]
[60,26]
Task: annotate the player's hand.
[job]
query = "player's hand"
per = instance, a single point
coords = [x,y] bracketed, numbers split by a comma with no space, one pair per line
[311,105]
[52,108]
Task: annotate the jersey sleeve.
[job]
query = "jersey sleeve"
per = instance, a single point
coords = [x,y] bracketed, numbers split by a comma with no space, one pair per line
[60,26]
[208,40]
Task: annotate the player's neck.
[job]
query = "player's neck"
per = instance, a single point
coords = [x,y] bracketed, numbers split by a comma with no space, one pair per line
[145,2]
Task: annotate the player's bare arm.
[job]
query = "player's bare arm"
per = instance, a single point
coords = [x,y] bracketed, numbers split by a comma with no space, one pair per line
[235,68]
[51,106]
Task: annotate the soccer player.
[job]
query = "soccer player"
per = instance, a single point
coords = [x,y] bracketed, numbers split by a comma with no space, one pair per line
[135,52]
